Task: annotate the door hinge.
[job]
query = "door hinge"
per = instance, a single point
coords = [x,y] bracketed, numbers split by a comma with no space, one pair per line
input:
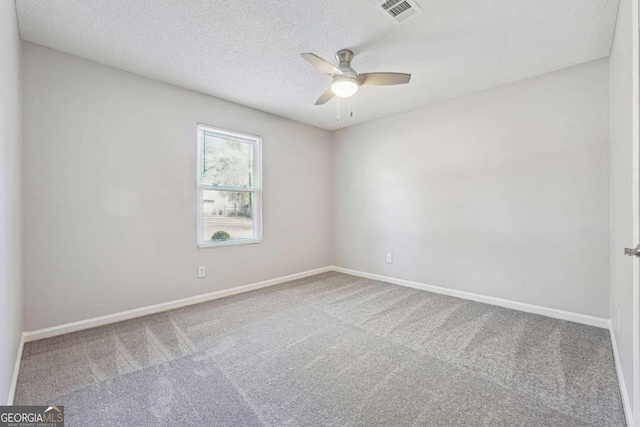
[632,252]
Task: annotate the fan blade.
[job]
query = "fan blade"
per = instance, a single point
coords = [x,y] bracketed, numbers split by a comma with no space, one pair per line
[383,79]
[326,96]
[322,65]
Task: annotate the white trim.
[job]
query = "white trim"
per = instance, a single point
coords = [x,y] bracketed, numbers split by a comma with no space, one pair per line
[232,242]
[515,305]
[635,115]
[626,404]
[237,136]
[16,370]
[227,188]
[635,198]
[157,308]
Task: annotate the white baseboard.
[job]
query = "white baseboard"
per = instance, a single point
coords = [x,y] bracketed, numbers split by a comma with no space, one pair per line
[157,308]
[16,371]
[623,389]
[521,306]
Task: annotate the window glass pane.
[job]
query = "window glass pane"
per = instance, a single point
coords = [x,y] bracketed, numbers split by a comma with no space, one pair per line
[227,215]
[226,162]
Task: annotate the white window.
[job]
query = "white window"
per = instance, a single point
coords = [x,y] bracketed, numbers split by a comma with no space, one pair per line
[229,187]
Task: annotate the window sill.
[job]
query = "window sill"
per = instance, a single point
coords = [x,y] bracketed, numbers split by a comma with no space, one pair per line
[205,245]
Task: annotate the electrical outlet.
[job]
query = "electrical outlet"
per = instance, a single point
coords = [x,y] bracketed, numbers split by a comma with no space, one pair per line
[618,321]
[389,258]
[201,272]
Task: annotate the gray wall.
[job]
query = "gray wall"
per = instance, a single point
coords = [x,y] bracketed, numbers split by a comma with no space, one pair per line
[110,196]
[621,283]
[503,193]
[10,196]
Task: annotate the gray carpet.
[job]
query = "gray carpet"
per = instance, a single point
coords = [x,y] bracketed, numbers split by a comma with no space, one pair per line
[329,350]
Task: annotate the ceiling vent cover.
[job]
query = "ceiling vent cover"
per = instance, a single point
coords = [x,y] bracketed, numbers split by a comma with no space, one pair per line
[399,10]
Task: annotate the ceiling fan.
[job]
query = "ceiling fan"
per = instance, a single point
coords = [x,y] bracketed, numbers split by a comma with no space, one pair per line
[344,79]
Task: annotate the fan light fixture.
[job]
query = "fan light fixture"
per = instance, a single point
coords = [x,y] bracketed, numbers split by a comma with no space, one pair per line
[344,87]
[345,81]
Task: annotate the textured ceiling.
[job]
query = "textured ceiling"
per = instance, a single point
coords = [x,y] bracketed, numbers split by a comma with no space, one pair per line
[248,51]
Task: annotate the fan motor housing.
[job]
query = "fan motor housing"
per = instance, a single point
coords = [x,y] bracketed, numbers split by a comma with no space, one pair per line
[344,58]
[344,55]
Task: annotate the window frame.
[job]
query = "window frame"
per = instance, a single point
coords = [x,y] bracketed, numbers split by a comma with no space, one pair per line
[256,188]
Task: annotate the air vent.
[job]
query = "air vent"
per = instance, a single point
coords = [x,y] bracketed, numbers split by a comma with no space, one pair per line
[399,10]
